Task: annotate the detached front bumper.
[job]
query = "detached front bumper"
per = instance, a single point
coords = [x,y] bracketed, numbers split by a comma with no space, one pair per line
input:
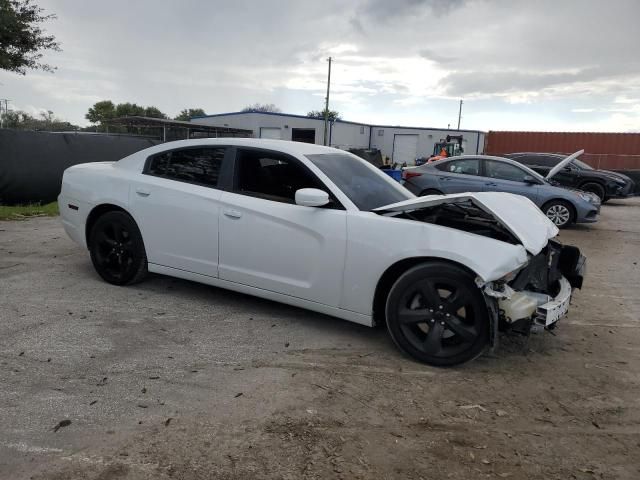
[549,313]
[541,293]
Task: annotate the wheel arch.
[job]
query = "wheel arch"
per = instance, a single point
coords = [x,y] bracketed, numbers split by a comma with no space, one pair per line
[597,181]
[96,213]
[393,272]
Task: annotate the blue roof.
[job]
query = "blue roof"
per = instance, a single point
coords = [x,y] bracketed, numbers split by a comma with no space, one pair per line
[292,115]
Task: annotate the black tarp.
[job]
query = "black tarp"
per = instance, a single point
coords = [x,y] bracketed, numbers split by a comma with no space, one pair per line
[32,163]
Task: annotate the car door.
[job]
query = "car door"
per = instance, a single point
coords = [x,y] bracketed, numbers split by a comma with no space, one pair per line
[176,202]
[457,176]
[269,242]
[505,177]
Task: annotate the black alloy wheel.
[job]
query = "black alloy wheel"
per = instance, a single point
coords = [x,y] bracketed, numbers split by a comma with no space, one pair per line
[117,250]
[436,313]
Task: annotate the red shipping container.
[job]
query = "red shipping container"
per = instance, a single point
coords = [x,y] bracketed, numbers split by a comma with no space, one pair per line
[602,150]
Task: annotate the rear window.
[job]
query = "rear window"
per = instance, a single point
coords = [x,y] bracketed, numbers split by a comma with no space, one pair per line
[191,165]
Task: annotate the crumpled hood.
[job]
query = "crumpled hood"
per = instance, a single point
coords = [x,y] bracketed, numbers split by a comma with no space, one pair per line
[517,213]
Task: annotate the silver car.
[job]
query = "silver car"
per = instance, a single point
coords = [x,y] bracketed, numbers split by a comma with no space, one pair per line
[482,173]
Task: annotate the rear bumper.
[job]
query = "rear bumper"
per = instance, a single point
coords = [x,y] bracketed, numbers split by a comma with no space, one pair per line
[73,215]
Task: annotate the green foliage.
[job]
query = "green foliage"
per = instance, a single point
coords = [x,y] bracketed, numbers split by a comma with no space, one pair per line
[104,110]
[22,40]
[47,122]
[261,107]
[153,112]
[333,115]
[21,212]
[188,113]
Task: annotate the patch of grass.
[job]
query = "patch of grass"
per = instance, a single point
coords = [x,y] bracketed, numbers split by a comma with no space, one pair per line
[21,212]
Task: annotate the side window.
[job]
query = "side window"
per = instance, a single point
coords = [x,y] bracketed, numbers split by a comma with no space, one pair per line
[192,165]
[469,166]
[271,176]
[504,171]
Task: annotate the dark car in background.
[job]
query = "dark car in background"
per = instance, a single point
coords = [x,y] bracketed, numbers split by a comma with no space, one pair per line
[577,174]
[482,173]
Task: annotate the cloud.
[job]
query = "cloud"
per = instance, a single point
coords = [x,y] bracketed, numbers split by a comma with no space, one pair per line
[407,61]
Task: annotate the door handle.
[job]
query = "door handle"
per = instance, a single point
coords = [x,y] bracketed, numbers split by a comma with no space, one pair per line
[491,184]
[232,213]
[142,192]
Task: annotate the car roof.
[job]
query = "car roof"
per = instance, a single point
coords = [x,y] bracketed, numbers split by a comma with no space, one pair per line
[538,154]
[133,161]
[483,157]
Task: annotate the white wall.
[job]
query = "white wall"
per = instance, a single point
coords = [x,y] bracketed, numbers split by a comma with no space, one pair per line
[345,134]
[382,138]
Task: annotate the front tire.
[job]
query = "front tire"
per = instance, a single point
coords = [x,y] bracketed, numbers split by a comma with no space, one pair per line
[594,188]
[559,212]
[436,314]
[117,250]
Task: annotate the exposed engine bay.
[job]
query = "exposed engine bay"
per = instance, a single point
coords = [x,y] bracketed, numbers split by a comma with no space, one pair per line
[465,216]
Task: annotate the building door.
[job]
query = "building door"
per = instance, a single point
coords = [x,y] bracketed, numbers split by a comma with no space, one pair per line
[405,149]
[306,135]
[271,132]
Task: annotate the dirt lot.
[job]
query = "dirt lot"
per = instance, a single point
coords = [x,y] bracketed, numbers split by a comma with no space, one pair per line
[171,379]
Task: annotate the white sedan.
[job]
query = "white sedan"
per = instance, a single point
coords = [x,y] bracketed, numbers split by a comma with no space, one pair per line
[322,229]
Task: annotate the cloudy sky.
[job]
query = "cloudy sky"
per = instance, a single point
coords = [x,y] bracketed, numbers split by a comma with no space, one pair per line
[518,64]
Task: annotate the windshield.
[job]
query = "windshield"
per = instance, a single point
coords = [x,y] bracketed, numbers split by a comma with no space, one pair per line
[366,186]
[582,165]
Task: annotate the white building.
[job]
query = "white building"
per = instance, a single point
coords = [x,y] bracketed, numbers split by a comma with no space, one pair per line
[399,144]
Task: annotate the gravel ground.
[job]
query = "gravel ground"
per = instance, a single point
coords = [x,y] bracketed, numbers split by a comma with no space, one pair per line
[172,379]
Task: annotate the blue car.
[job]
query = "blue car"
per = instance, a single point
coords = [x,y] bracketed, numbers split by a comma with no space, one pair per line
[482,173]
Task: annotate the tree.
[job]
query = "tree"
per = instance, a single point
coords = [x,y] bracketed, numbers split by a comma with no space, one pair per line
[188,113]
[262,107]
[101,111]
[22,40]
[47,122]
[153,112]
[129,110]
[333,115]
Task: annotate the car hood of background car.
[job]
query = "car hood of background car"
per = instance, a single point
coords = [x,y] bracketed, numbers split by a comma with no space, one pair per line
[518,214]
[563,163]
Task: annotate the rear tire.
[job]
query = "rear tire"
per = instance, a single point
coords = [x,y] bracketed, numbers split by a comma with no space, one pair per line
[117,250]
[430,191]
[560,212]
[594,188]
[437,315]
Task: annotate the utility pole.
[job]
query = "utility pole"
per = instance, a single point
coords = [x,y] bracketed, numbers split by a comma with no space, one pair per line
[326,104]
[459,114]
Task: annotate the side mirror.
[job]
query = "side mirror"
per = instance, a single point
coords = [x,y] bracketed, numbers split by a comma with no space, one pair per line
[530,180]
[311,197]
[567,168]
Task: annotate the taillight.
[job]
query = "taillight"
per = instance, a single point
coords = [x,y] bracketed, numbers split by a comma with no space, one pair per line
[407,174]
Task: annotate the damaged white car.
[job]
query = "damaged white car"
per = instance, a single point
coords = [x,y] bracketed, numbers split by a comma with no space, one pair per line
[322,229]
